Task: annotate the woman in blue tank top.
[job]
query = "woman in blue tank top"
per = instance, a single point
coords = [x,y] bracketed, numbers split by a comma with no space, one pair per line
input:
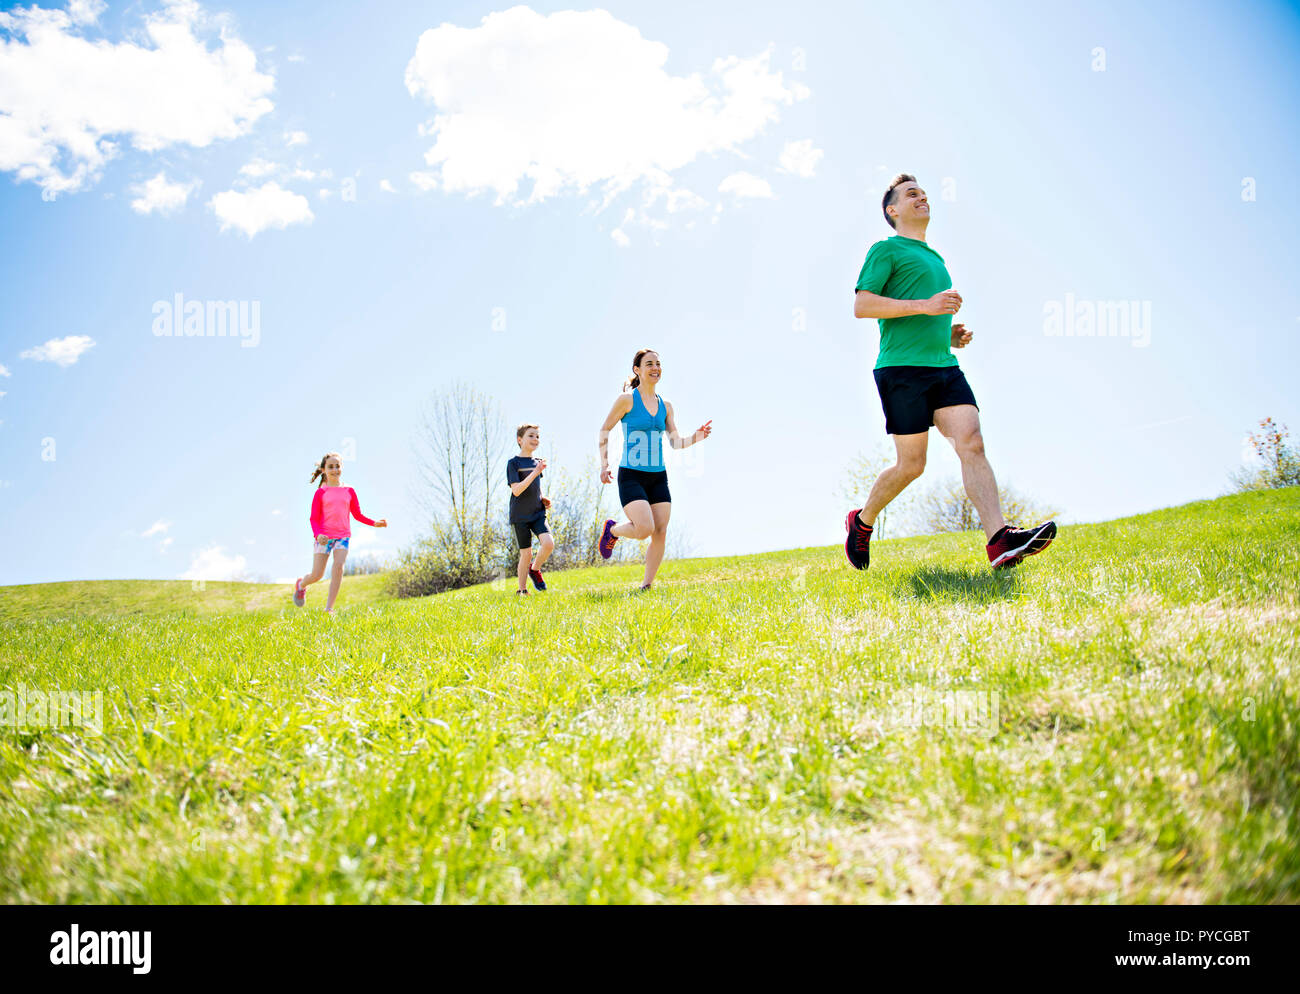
[642,477]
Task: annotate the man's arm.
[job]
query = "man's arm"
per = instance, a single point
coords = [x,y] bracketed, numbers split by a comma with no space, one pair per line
[871,305]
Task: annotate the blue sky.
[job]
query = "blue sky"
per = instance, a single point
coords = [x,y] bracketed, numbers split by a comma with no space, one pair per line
[588,193]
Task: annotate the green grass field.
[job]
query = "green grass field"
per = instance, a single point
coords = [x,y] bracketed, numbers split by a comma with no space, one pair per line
[1122,726]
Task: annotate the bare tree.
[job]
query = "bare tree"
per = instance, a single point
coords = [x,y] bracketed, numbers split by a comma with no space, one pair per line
[461,447]
[946,508]
[364,564]
[858,480]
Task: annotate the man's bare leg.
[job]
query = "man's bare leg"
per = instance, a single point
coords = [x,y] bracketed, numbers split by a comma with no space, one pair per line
[894,480]
[961,426]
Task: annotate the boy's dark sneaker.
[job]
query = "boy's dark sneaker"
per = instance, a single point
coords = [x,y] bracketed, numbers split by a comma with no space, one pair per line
[536,576]
[858,545]
[1010,545]
[607,539]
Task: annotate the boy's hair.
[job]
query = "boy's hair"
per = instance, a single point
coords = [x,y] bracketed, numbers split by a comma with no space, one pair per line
[889,195]
[519,432]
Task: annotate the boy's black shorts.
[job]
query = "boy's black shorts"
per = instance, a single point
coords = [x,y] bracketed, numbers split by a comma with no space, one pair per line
[535,526]
[638,484]
[911,394]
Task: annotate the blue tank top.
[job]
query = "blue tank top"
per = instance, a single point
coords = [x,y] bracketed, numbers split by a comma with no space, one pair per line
[643,436]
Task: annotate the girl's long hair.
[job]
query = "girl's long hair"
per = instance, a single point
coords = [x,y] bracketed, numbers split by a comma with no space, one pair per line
[319,471]
[634,381]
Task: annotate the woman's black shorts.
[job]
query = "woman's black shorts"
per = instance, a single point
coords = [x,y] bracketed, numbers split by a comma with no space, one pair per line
[911,394]
[637,484]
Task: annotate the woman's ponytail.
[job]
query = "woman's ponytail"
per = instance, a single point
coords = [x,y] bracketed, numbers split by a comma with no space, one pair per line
[634,381]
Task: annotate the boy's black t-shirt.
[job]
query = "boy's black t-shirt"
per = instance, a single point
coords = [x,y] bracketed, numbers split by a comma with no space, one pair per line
[528,504]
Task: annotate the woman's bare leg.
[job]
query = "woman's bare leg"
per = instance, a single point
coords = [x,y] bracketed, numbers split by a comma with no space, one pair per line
[640,521]
[658,540]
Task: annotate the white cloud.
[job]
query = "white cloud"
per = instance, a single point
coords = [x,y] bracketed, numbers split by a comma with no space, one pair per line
[276,512]
[157,528]
[212,563]
[745,185]
[386,186]
[165,544]
[267,206]
[620,237]
[2,393]
[324,194]
[575,100]
[297,58]
[258,168]
[292,138]
[4,371]
[67,103]
[304,174]
[800,158]
[85,11]
[64,351]
[425,180]
[161,195]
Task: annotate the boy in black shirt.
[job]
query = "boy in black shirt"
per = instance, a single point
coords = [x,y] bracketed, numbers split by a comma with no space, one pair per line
[528,506]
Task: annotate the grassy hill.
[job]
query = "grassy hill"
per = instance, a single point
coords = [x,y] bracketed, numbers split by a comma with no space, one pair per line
[123,598]
[1115,721]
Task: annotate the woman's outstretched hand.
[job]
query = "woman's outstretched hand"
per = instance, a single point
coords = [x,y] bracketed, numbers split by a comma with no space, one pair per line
[606,476]
[704,430]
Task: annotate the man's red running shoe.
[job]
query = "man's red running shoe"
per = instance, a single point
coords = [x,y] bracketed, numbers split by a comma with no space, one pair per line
[1010,545]
[857,547]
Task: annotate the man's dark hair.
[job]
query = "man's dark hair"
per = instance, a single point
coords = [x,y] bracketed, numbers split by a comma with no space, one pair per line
[889,195]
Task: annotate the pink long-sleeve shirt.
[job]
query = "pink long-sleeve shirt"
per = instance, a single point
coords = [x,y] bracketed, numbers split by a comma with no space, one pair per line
[330,509]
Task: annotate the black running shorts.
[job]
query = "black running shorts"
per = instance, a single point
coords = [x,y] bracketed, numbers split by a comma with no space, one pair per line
[638,484]
[535,526]
[911,394]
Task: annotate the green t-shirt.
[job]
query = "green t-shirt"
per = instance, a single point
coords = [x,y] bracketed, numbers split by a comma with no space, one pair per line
[908,269]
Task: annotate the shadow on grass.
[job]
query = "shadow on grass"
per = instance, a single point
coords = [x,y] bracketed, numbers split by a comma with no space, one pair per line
[937,583]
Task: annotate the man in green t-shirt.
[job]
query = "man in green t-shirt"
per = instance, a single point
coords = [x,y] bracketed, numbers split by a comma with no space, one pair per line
[905,284]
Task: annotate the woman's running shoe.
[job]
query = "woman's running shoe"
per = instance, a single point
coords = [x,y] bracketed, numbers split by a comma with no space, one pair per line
[607,539]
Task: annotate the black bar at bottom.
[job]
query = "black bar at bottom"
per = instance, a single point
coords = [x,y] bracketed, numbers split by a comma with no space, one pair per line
[604,946]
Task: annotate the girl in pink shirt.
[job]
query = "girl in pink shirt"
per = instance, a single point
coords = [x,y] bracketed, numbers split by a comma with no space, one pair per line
[332,509]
